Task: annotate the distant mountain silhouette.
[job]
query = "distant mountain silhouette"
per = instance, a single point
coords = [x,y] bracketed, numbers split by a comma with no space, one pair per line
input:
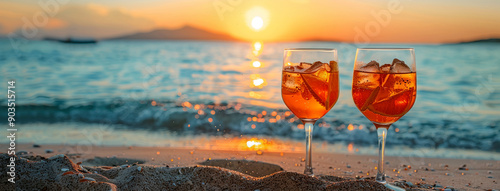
[490,40]
[185,33]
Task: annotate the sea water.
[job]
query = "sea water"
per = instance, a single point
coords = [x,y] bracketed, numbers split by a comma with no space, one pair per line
[169,93]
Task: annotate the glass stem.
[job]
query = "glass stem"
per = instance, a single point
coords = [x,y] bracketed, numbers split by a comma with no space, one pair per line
[382,134]
[309,126]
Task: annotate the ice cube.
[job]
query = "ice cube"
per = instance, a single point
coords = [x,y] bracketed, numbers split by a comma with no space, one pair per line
[399,66]
[305,65]
[299,69]
[291,83]
[323,73]
[327,67]
[386,68]
[315,67]
[372,66]
[367,80]
[289,69]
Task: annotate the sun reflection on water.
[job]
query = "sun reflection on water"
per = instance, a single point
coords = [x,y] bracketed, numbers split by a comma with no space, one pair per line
[256,64]
[255,120]
[252,143]
[257,81]
[257,48]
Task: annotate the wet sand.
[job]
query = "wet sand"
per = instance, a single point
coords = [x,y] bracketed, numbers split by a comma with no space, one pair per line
[156,168]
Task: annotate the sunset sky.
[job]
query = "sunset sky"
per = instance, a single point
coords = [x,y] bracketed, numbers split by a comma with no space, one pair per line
[424,21]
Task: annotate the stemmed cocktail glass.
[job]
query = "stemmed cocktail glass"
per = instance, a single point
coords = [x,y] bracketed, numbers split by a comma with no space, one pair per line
[384,88]
[310,88]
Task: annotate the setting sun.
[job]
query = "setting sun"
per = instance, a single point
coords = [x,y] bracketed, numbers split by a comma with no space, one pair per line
[257,23]
[257,18]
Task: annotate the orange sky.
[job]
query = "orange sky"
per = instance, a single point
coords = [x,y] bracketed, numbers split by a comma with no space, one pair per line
[284,20]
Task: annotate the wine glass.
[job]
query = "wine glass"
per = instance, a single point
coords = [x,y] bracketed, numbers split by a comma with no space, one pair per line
[310,88]
[384,88]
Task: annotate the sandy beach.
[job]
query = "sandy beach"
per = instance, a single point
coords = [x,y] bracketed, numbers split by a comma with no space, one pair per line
[50,167]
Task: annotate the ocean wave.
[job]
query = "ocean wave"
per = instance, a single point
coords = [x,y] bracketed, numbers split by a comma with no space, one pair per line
[195,118]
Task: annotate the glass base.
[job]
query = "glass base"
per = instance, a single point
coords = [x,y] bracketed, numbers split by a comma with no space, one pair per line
[309,171]
[392,187]
[380,178]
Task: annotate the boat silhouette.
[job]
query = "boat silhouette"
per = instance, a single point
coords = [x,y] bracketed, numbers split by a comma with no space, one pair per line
[78,41]
[72,40]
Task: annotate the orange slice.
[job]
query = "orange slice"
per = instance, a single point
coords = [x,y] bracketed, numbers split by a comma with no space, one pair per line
[394,106]
[317,88]
[370,99]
